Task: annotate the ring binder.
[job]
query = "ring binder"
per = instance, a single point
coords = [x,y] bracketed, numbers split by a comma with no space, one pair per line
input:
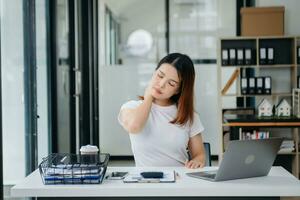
[259,85]
[225,57]
[262,56]
[251,85]
[249,57]
[268,85]
[240,57]
[244,85]
[232,57]
[298,55]
[270,56]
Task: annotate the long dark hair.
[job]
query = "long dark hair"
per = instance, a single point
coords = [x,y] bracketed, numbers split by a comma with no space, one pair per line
[185,98]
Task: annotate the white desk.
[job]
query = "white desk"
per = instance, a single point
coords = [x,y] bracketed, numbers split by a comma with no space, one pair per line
[278,183]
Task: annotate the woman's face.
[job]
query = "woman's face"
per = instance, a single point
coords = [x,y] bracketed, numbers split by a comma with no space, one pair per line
[165,82]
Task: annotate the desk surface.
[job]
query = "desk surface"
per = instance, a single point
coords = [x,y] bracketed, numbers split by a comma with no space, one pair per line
[279,182]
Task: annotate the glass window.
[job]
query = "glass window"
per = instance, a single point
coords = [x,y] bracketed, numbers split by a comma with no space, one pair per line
[133,36]
[196,24]
[111,37]
[123,19]
[41,76]
[12,63]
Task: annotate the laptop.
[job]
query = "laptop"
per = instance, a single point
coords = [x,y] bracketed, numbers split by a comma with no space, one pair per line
[244,159]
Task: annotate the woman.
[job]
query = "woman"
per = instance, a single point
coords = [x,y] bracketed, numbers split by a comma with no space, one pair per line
[163,125]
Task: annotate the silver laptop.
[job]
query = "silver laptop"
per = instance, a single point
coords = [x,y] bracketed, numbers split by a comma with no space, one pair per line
[244,159]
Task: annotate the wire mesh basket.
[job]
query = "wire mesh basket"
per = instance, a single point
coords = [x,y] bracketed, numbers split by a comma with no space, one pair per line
[58,168]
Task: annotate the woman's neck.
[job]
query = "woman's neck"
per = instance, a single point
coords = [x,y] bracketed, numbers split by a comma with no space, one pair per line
[166,102]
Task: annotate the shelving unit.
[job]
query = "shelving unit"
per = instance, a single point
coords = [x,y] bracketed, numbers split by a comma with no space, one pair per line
[254,95]
[284,71]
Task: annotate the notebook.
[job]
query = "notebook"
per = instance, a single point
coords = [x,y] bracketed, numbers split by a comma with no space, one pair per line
[136,177]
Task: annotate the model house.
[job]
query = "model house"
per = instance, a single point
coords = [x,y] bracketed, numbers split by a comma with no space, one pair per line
[265,108]
[283,109]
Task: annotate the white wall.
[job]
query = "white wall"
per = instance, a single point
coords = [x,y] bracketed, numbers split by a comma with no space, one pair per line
[12,66]
[198,35]
[291,16]
[206,104]
[41,62]
[280,83]
[195,26]
[121,83]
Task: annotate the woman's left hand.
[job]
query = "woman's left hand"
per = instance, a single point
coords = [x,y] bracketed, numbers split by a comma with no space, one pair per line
[193,164]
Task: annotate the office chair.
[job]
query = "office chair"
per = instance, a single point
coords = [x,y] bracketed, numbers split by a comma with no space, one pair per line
[207,154]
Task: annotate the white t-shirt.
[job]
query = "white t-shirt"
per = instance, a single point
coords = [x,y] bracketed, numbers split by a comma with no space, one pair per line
[162,143]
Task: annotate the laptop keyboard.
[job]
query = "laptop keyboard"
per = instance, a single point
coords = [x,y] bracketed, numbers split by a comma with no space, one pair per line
[212,176]
[209,174]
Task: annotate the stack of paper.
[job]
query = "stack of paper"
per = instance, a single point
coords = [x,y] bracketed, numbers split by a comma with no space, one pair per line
[287,146]
[73,169]
[67,174]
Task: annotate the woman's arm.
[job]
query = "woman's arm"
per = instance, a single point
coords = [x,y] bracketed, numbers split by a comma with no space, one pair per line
[197,152]
[133,120]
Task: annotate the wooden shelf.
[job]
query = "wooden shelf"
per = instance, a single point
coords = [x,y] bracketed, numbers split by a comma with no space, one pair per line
[261,66]
[253,120]
[239,38]
[285,52]
[290,153]
[276,37]
[259,37]
[258,95]
[262,124]
[276,66]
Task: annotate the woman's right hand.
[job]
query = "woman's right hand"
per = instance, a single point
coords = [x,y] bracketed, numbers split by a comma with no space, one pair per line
[134,120]
[149,90]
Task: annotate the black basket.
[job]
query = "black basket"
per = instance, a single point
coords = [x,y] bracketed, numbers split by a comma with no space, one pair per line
[60,168]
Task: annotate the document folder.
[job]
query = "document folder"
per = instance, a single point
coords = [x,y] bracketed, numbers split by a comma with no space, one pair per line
[249,57]
[259,85]
[232,57]
[244,85]
[270,56]
[298,55]
[240,56]
[136,177]
[225,57]
[64,168]
[268,85]
[262,56]
[251,87]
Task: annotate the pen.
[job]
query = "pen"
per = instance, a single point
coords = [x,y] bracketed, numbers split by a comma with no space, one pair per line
[149,181]
[177,175]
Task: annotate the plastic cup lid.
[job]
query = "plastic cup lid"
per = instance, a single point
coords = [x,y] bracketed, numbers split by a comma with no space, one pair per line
[89,148]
